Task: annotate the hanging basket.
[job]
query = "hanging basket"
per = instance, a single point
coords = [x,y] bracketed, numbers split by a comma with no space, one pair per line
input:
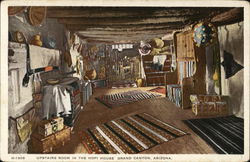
[37,15]
[15,10]
[144,49]
[204,34]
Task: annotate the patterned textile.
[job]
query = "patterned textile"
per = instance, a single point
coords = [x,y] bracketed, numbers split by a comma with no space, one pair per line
[224,134]
[119,99]
[24,124]
[174,94]
[128,135]
[161,90]
[186,69]
[123,84]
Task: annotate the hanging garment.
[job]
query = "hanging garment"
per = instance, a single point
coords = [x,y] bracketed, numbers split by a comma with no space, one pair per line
[231,67]
[158,62]
[56,101]
[43,57]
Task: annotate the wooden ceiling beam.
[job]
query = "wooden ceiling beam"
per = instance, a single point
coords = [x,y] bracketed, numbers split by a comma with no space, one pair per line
[123,21]
[123,37]
[117,38]
[124,28]
[231,16]
[122,32]
[112,12]
[129,12]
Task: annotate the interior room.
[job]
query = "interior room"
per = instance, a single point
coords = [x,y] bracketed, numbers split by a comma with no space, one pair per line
[125,80]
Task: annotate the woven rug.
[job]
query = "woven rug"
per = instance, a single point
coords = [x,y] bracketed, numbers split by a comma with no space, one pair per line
[123,84]
[128,135]
[118,99]
[224,134]
[161,90]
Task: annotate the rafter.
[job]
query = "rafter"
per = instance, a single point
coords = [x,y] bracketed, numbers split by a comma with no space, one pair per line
[145,28]
[112,12]
[231,16]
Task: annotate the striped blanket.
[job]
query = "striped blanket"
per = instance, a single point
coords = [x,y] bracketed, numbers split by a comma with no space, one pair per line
[224,134]
[119,99]
[128,135]
[161,90]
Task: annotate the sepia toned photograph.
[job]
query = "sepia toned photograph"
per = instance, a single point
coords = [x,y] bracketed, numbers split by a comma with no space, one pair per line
[136,81]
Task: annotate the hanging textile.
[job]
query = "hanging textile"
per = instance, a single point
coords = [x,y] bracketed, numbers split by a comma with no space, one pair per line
[158,62]
[231,67]
[56,100]
[43,57]
[24,124]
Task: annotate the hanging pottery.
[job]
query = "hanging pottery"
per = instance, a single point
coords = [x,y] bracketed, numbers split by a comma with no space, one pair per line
[36,40]
[204,34]
[91,74]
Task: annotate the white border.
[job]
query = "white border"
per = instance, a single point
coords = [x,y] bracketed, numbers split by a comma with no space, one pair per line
[180,157]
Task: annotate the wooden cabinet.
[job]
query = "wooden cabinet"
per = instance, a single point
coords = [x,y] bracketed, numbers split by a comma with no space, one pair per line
[185,46]
[191,68]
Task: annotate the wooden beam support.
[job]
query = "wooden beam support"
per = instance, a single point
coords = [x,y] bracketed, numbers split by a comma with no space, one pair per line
[122,21]
[123,37]
[135,27]
[112,39]
[122,32]
[231,16]
[112,12]
[125,28]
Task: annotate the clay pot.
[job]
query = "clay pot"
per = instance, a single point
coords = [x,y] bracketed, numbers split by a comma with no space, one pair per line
[37,40]
[91,74]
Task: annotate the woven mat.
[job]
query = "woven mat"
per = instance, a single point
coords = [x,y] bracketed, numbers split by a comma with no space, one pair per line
[125,84]
[161,90]
[128,135]
[119,99]
[224,134]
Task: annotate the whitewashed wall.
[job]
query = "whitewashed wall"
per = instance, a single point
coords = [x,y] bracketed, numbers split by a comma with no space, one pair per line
[231,40]
[50,28]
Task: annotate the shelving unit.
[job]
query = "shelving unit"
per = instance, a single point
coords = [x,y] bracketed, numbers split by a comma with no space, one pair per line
[156,77]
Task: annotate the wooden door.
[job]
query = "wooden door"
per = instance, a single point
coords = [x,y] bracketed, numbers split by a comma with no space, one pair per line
[189,46]
[180,45]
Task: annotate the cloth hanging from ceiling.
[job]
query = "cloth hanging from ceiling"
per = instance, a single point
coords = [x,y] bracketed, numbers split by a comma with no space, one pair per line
[158,62]
[231,67]
[74,54]
[42,57]
[56,100]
